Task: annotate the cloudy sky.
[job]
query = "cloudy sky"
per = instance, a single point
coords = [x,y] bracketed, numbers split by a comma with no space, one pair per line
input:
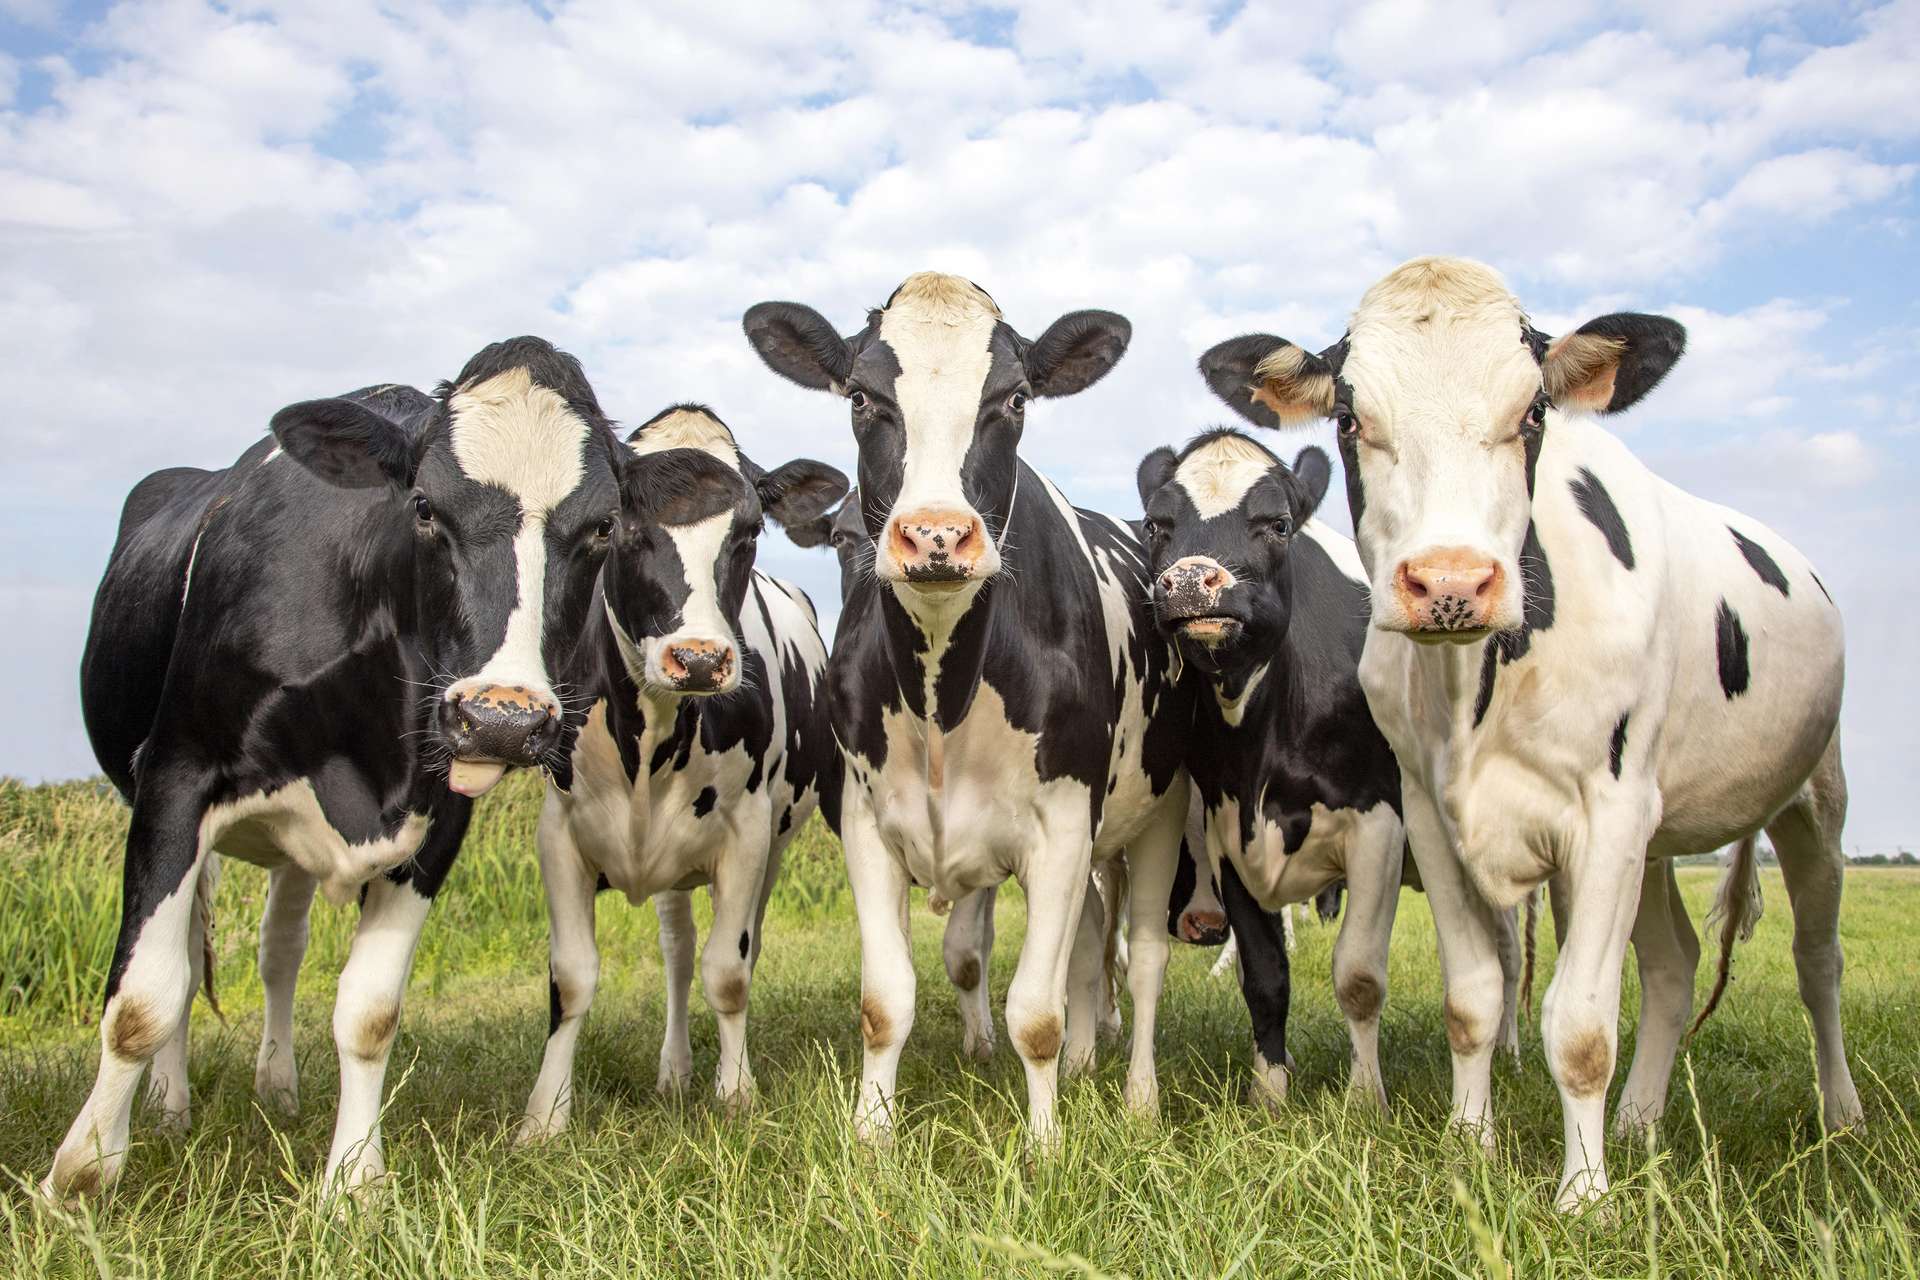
[209,211]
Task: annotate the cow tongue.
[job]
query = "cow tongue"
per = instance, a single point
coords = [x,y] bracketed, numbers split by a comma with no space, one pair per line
[474,777]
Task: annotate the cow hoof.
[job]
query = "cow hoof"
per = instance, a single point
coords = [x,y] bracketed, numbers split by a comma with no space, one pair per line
[1585,1194]
[1635,1122]
[673,1078]
[741,1098]
[1478,1132]
[1370,1093]
[1076,1062]
[534,1130]
[1143,1099]
[979,1048]
[277,1089]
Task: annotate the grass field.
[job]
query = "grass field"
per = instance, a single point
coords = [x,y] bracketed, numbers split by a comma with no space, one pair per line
[1740,1182]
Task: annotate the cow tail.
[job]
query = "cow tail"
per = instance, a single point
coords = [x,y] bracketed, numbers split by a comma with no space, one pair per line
[1530,943]
[1737,905]
[203,920]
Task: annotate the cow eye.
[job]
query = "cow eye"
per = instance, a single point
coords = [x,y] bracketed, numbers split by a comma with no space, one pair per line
[1536,415]
[1347,424]
[1280,526]
[1017,402]
[422,509]
[858,399]
[1150,529]
[604,529]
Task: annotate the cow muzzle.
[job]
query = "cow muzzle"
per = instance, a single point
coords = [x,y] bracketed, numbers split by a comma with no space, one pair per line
[1449,593]
[1203,928]
[492,728]
[939,549]
[689,665]
[1190,596]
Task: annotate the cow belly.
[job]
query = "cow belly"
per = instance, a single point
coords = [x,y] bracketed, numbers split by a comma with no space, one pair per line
[1277,878]
[272,828]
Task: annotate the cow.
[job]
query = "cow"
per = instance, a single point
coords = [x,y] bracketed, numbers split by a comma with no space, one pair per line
[1581,669]
[1268,606]
[314,660]
[1003,704]
[705,747]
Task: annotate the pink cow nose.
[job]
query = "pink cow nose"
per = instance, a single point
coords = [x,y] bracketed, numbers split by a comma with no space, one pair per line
[937,546]
[1448,589]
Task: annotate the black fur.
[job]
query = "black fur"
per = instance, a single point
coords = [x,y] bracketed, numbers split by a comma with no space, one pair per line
[1596,504]
[1762,563]
[1730,651]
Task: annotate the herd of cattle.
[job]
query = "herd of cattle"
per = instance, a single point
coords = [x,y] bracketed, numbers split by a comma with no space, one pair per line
[1537,662]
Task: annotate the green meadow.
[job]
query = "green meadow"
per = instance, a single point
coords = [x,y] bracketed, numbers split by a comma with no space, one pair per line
[1739,1180]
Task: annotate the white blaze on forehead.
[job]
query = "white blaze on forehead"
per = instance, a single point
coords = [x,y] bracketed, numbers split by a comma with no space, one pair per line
[511,432]
[688,429]
[1217,475]
[940,329]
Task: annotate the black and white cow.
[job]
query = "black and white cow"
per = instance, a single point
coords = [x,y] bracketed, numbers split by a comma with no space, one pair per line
[1580,668]
[312,660]
[1300,790]
[1001,698]
[705,748]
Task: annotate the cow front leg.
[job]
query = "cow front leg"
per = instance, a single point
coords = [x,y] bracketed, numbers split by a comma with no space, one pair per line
[573,972]
[726,969]
[1055,881]
[149,984]
[1153,861]
[283,946]
[967,950]
[880,888]
[366,1016]
[678,938]
[1467,931]
[1360,952]
[1668,955]
[1580,1016]
[1265,984]
[1085,975]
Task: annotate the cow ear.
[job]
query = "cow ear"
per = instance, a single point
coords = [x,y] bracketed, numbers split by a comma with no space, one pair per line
[810,533]
[1155,473]
[1076,351]
[1312,472]
[800,491]
[797,343]
[1269,381]
[1608,364]
[345,443]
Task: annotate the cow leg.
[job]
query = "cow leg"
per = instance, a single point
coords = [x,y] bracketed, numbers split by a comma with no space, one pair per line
[1111,881]
[1580,1016]
[1286,926]
[366,1015]
[1055,876]
[1466,929]
[283,946]
[678,937]
[967,949]
[726,971]
[1507,936]
[1153,859]
[1668,955]
[1085,973]
[573,972]
[167,1078]
[1228,958]
[149,985]
[1360,952]
[1265,983]
[880,888]
[1806,839]
[1557,902]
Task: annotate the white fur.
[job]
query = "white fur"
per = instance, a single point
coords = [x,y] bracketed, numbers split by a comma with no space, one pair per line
[1217,475]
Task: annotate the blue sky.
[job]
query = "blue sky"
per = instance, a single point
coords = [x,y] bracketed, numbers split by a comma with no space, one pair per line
[209,211]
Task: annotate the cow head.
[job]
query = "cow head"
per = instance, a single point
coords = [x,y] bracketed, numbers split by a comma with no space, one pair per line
[507,486]
[691,510]
[1442,392]
[1221,516]
[845,530]
[938,384]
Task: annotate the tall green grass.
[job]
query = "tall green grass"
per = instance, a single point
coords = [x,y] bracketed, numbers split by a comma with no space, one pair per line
[1740,1181]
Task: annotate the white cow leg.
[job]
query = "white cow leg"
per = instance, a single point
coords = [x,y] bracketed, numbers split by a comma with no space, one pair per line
[1153,859]
[283,946]
[1467,932]
[1580,1017]
[1360,951]
[880,888]
[1286,926]
[726,969]
[167,1087]
[678,936]
[573,973]
[155,987]
[1085,974]
[1507,932]
[366,1015]
[967,949]
[1668,955]
[1229,957]
[1806,838]
[1055,881]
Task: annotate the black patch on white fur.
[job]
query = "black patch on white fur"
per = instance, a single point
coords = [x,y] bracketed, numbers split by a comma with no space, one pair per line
[1763,564]
[703,803]
[1618,747]
[1596,504]
[1730,646]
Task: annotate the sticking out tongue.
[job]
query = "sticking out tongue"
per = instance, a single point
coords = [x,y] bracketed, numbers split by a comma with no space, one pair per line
[474,777]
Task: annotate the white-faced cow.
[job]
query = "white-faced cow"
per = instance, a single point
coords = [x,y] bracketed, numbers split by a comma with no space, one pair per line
[706,744]
[289,662]
[999,693]
[1299,789]
[1580,668]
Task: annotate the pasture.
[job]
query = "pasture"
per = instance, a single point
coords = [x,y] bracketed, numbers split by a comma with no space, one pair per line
[1740,1181]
